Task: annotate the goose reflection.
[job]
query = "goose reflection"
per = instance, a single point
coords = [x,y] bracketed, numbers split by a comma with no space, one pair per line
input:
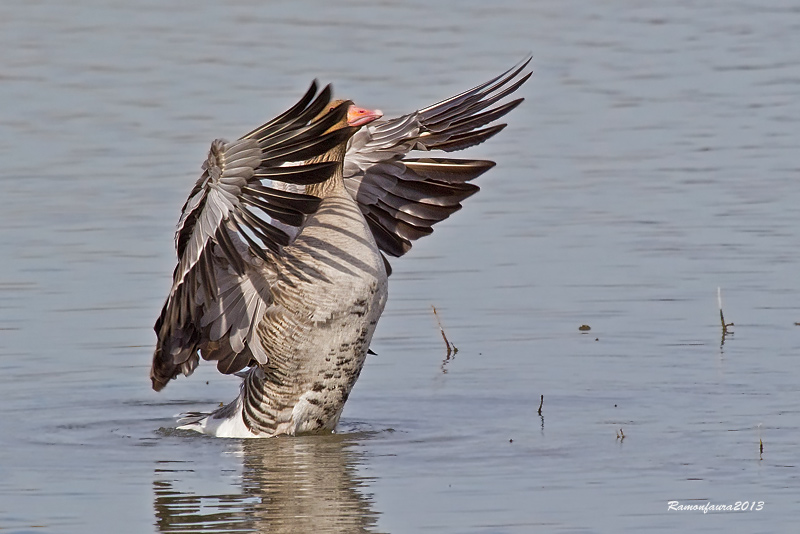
[287,485]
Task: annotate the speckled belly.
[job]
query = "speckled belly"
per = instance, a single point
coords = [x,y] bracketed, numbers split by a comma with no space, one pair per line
[319,330]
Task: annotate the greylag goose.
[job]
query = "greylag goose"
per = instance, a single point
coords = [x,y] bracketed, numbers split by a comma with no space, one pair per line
[281,274]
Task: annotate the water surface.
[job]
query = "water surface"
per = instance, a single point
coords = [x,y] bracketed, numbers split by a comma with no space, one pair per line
[653,161]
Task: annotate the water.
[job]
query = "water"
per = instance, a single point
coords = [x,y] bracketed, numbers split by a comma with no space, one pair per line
[653,161]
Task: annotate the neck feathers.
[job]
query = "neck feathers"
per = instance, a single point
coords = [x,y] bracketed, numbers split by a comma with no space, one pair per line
[336,180]
[335,154]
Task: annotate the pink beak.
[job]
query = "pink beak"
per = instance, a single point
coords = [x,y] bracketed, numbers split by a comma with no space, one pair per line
[357,116]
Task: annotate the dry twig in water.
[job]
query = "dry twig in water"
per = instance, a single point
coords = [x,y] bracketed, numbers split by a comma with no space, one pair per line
[721,316]
[725,325]
[451,349]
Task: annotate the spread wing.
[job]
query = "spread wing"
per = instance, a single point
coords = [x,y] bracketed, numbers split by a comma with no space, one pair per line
[227,244]
[402,197]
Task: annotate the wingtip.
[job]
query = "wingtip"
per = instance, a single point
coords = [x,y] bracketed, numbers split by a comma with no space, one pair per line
[157,383]
[327,91]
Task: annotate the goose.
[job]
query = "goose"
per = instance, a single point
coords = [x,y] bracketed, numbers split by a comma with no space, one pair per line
[282,272]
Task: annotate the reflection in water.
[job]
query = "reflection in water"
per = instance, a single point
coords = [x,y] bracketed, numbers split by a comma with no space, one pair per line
[288,485]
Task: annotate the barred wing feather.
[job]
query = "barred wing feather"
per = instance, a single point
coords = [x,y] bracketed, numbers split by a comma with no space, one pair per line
[227,243]
[402,197]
